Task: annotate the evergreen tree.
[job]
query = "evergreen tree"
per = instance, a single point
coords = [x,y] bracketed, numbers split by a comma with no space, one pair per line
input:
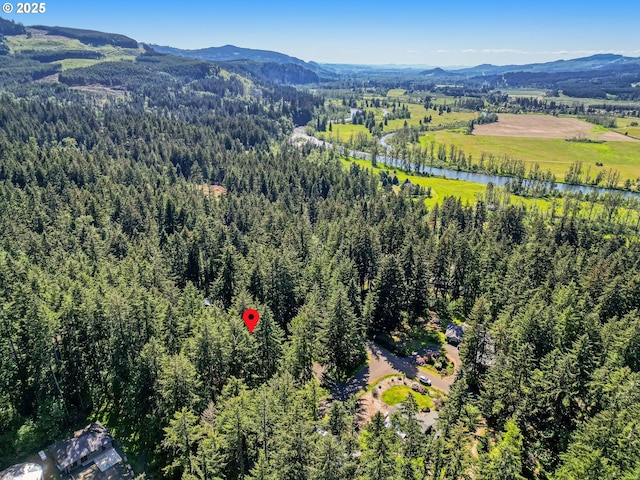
[343,347]
[181,438]
[504,460]
[378,442]
[387,296]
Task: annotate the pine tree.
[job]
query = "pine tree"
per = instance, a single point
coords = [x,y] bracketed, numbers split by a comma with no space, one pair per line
[266,344]
[181,438]
[343,347]
[329,460]
[378,445]
[301,350]
[504,462]
[387,296]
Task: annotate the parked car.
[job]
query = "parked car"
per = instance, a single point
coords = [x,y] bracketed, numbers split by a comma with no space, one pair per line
[415,386]
[425,380]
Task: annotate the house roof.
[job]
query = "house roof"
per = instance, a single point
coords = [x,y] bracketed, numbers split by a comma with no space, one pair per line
[22,471]
[84,442]
[454,331]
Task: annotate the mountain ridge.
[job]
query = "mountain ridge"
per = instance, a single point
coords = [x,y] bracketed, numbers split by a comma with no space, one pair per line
[231,52]
[590,63]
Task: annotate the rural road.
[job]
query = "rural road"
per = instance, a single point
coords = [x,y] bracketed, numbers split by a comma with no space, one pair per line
[382,362]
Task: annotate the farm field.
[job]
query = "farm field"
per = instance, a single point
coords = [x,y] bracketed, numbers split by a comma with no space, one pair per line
[343,131]
[555,154]
[546,126]
[564,99]
[624,126]
[523,92]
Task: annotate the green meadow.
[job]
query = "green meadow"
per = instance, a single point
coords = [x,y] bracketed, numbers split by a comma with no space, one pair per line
[553,154]
[624,126]
[342,131]
[443,187]
[469,192]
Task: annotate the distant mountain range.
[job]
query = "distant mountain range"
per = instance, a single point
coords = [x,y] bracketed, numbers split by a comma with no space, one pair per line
[265,64]
[596,76]
[228,53]
[605,61]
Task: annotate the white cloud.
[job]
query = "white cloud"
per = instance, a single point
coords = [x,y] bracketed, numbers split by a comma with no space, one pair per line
[542,52]
[503,50]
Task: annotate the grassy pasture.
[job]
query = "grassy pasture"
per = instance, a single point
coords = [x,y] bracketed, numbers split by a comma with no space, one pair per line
[555,154]
[623,126]
[396,93]
[443,187]
[418,112]
[468,192]
[341,132]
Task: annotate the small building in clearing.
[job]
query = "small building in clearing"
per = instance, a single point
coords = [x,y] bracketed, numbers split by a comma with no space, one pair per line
[83,448]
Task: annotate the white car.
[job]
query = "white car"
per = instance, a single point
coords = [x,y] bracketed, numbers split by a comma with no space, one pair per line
[425,380]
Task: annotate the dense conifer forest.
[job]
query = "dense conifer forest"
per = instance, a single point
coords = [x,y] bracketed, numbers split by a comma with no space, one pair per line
[112,236]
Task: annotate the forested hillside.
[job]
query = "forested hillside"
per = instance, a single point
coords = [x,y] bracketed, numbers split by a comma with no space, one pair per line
[111,239]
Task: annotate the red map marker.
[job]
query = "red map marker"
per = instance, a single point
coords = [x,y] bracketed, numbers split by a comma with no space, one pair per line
[251,319]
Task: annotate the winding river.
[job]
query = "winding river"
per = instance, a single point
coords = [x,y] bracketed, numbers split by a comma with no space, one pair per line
[483,177]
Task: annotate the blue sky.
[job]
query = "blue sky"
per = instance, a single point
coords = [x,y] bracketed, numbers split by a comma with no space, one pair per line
[426,32]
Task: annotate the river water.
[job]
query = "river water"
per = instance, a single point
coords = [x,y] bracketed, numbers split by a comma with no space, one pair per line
[457,174]
[487,178]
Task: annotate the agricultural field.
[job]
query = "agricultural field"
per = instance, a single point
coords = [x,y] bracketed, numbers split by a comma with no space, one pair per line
[564,99]
[625,128]
[555,154]
[524,92]
[341,132]
[546,126]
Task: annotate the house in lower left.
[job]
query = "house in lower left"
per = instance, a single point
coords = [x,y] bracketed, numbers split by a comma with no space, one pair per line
[23,471]
[92,444]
